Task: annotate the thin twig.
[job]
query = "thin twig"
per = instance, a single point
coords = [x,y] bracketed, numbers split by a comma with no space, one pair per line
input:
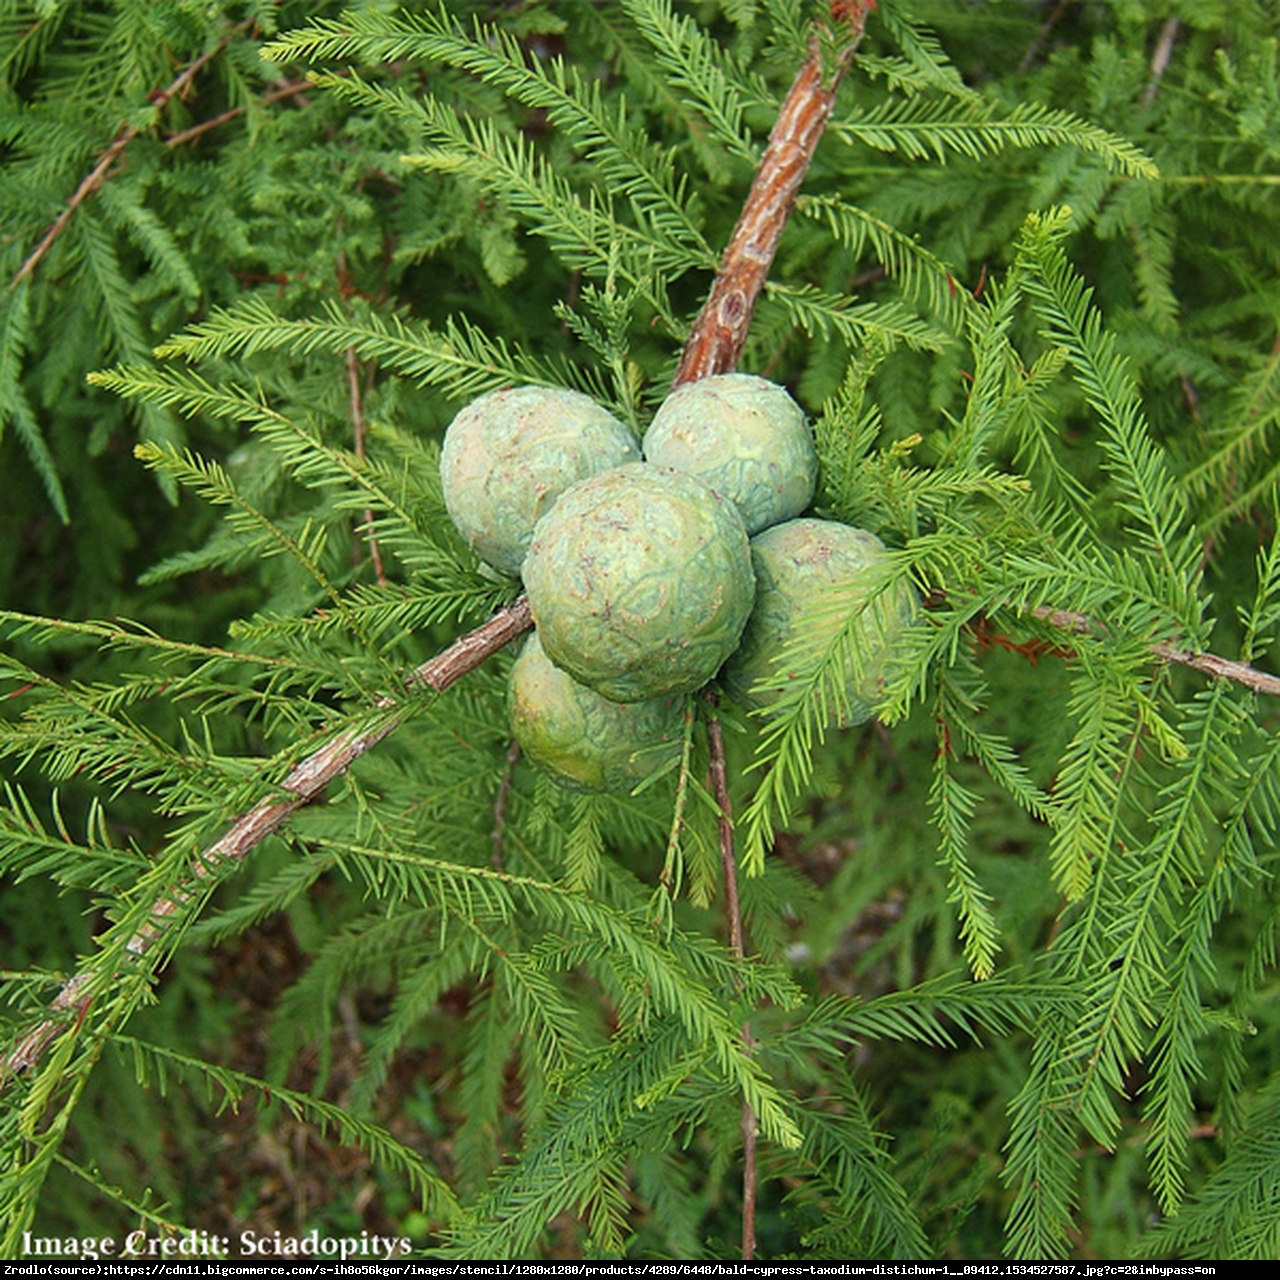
[750,1172]
[358,433]
[1160,59]
[719,780]
[1212,665]
[93,180]
[196,130]
[1207,663]
[1037,44]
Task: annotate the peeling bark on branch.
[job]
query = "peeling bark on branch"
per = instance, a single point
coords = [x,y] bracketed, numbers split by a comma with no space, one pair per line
[720,332]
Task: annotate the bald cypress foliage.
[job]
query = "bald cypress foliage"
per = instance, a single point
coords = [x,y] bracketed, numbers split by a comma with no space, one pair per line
[285,908]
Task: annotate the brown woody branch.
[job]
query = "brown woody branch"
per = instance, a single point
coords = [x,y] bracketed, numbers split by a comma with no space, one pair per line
[720,332]
[719,784]
[307,780]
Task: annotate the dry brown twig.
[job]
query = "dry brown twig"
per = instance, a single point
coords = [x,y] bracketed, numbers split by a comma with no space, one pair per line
[95,177]
[183,136]
[358,437]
